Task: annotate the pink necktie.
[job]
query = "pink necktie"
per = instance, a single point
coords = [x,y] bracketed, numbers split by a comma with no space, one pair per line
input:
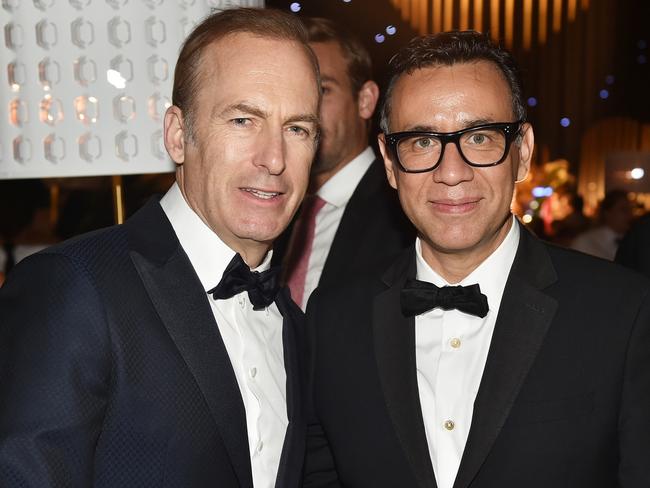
[301,246]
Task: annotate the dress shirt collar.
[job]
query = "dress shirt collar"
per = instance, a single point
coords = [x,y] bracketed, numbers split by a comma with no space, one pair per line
[491,274]
[339,188]
[208,254]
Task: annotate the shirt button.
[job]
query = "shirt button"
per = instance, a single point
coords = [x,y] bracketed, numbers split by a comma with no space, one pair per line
[242,302]
[449,424]
[260,446]
[252,372]
[455,343]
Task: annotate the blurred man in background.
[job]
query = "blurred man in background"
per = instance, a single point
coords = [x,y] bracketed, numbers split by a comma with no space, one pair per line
[352,218]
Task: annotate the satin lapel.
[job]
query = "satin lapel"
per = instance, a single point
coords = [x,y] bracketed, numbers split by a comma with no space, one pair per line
[394,338]
[290,469]
[524,317]
[183,306]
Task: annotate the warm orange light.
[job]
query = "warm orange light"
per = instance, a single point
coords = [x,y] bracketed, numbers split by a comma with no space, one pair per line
[571,10]
[509,20]
[528,23]
[464,15]
[448,14]
[437,16]
[557,15]
[494,20]
[543,21]
[478,15]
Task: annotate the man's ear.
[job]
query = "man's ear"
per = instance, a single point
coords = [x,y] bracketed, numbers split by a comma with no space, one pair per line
[367,99]
[388,163]
[526,148]
[175,134]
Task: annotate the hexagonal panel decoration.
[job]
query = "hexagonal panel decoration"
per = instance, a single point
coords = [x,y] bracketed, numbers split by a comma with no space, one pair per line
[117,4]
[43,4]
[186,3]
[16,74]
[158,105]
[82,32]
[54,148]
[90,147]
[124,66]
[157,69]
[126,145]
[50,110]
[22,148]
[18,113]
[86,109]
[155,31]
[158,145]
[152,4]
[119,32]
[10,5]
[49,72]
[14,36]
[47,34]
[80,4]
[124,108]
[85,71]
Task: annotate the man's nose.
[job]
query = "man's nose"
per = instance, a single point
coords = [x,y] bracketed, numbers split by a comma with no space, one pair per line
[271,153]
[452,169]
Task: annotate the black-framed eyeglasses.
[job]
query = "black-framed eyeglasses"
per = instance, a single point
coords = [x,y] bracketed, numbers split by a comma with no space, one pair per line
[480,146]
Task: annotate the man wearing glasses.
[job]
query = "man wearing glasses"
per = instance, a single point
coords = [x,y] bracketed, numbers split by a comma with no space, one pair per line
[483,357]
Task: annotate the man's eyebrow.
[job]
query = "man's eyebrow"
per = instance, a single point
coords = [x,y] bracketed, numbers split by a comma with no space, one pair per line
[310,118]
[244,108]
[329,79]
[468,124]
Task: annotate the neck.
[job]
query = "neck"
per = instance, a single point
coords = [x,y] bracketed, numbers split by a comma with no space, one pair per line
[455,266]
[318,179]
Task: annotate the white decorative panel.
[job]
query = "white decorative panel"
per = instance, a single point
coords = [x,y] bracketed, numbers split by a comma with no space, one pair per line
[84,84]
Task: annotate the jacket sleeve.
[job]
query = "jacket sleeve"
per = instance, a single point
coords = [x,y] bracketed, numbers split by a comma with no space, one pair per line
[320,468]
[634,415]
[54,373]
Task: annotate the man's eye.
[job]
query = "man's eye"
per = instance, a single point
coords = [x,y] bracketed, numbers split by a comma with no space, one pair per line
[297,130]
[326,90]
[241,121]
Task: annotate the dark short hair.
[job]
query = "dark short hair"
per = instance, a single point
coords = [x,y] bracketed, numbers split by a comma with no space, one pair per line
[447,49]
[265,23]
[356,55]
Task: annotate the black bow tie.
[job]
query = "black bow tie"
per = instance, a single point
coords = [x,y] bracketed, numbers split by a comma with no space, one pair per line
[418,297]
[237,277]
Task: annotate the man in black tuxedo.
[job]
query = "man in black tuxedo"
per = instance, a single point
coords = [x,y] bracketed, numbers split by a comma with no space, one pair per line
[634,250]
[483,357]
[149,354]
[352,218]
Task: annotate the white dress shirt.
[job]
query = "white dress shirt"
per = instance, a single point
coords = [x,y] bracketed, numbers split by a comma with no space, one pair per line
[336,192]
[451,349]
[253,339]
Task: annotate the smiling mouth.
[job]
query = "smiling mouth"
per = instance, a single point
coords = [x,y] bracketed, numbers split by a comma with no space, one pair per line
[264,195]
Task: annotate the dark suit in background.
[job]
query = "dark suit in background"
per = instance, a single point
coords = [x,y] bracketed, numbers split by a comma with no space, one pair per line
[373,228]
[634,249]
[112,383]
[563,401]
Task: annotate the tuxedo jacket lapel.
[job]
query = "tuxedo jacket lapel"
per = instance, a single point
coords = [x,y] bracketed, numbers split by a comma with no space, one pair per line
[183,307]
[394,342]
[290,469]
[524,317]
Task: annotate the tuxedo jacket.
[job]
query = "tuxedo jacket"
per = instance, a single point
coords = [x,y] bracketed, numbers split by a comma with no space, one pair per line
[564,400]
[373,228]
[113,372]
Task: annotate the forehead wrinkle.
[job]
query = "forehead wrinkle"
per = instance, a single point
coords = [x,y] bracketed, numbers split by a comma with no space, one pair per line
[242,107]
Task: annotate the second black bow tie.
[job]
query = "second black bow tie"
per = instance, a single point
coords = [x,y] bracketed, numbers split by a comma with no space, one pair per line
[237,277]
[418,297]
